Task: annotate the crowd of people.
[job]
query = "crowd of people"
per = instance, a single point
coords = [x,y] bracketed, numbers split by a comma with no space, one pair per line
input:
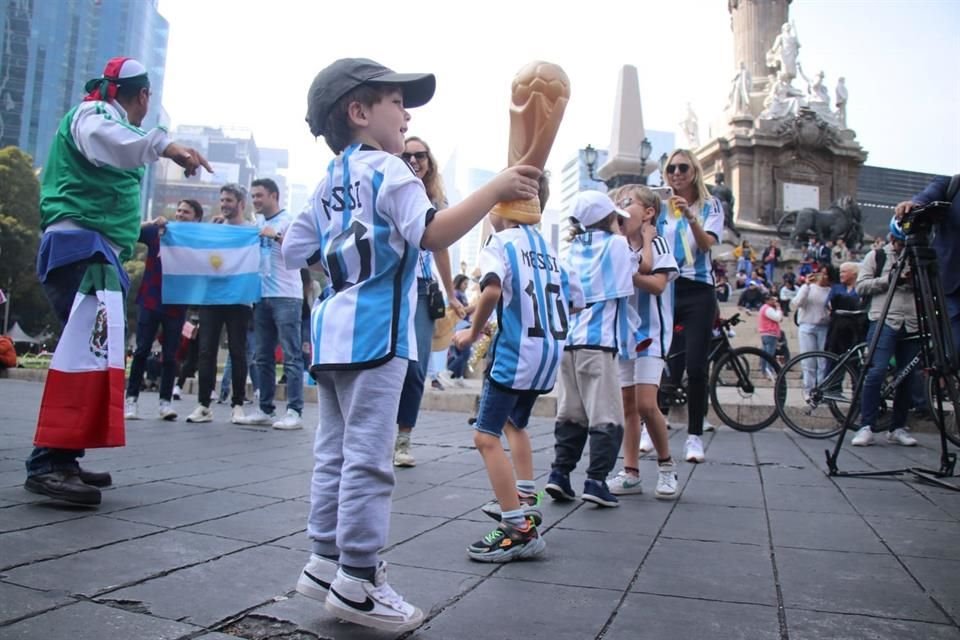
[598,325]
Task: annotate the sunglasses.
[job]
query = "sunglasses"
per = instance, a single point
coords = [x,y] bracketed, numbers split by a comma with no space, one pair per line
[419,155]
[682,168]
[626,202]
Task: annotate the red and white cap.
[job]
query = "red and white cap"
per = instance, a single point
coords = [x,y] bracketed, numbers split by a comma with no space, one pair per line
[118,71]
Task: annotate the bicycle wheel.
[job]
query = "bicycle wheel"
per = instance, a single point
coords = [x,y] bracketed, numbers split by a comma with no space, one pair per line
[742,388]
[950,389]
[821,411]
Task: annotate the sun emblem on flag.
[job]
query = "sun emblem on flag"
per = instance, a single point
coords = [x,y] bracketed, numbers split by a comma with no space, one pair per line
[216,261]
[98,336]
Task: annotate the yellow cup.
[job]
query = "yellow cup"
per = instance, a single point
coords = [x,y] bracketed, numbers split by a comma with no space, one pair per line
[675,209]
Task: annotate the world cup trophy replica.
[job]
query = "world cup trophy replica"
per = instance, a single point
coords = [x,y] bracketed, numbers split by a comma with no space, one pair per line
[539,96]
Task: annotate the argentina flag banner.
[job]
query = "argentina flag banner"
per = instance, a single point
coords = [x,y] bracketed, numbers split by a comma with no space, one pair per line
[209,263]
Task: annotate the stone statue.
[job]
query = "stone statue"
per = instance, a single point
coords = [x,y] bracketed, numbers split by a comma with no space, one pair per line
[841,220]
[783,54]
[842,101]
[739,100]
[691,128]
[724,194]
[817,92]
[782,99]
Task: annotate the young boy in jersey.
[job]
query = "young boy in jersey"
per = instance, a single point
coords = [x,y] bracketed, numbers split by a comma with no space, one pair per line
[364,226]
[589,403]
[522,279]
[640,373]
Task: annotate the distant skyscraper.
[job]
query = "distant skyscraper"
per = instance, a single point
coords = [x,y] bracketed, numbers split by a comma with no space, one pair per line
[49,49]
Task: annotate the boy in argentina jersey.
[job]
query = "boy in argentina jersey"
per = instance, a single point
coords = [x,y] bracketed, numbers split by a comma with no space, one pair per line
[364,226]
[640,372]
[589,403]
[522,278]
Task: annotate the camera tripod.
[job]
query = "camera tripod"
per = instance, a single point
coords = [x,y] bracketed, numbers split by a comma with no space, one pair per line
[938,350]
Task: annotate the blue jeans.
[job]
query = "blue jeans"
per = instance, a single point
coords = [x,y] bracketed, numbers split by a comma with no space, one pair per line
[412,392]
[768,269]
[60,288]
[953,312]
[277,320]
[769,346]
[225,381]
[890,344]
[813,337]
[497,405]
[746,266]
[148,321]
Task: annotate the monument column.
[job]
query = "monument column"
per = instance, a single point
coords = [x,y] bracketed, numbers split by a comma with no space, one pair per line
[755,25]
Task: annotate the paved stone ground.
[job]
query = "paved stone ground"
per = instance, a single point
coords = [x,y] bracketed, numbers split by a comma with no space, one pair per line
[202,537]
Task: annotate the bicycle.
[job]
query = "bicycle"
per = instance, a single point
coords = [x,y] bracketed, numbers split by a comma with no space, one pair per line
[739,402]
[820,412]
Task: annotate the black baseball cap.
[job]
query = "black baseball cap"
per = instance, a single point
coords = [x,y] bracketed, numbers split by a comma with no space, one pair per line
[346,74]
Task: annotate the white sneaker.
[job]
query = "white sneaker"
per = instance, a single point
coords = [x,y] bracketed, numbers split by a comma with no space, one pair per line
[130,409]
[708,426]
[864,437]
[693,449]
[372,604]
[316,577]
[201,414]
[446,378]
[166,411]
[257,417]
[902,437]
[401,451]
[625,484]
[289,422]
[177,391]
[666,481]
[646,444]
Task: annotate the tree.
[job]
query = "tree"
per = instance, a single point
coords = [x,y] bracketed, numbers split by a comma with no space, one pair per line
[19,239]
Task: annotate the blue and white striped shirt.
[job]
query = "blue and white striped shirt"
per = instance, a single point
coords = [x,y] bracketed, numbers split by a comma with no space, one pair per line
[533,310]
[604,265]
[363,224]
[670,228]
[656,312]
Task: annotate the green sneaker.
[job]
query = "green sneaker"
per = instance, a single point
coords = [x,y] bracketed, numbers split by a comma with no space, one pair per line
[506,543]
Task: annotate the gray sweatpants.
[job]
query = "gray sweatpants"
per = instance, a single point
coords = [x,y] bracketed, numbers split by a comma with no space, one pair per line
[353,462]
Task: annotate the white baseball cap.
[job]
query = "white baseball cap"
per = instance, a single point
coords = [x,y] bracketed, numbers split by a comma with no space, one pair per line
[590,207]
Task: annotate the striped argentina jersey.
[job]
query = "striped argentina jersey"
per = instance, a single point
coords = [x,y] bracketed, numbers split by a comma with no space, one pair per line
[674,230]
[363,224]
[532,314]
[604,266]
[656,312]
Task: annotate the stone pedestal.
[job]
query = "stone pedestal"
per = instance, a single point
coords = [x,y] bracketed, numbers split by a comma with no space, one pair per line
[768,162]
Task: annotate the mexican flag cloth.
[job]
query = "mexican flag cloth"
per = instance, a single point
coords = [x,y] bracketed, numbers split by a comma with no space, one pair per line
[82,406]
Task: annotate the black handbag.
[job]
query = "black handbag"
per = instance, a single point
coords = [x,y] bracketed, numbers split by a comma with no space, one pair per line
[436,307]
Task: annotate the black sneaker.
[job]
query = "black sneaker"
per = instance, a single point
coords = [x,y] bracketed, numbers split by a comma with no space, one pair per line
[530,504]
[597,492]
[559,488]
[506,543]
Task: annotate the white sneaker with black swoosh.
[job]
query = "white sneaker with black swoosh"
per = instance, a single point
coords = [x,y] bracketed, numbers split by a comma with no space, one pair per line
[372,604]
[316,577]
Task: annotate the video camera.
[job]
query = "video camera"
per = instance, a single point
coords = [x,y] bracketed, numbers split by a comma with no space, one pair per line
[920,220]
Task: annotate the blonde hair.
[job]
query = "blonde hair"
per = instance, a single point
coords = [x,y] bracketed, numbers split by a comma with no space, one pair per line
[432,181]
[639,192]
[698,184]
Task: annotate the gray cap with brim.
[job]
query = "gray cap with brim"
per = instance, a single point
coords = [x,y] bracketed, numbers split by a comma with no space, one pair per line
[346,74]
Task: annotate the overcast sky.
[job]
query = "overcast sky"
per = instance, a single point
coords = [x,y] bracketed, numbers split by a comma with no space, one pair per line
[249,63]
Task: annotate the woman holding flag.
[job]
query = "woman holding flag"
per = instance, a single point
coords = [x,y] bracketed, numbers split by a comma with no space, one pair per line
[691,223]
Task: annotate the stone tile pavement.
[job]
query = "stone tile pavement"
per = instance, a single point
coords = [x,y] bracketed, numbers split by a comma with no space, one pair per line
[202,536]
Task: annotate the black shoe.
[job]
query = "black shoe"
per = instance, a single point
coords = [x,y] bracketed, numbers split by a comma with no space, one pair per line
[506,543]
[96,478]
[63,485]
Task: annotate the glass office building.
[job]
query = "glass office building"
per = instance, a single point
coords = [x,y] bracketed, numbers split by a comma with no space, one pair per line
[49,49]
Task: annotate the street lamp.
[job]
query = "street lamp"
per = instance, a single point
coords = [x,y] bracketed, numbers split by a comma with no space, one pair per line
[590,157]
[645,150]
[663,166]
